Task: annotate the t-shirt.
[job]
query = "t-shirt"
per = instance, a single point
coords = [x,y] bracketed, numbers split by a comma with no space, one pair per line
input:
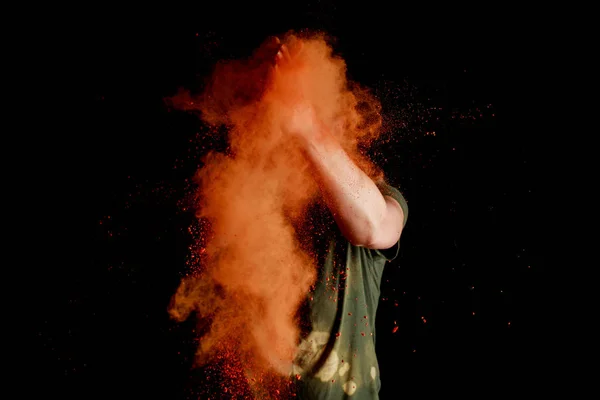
[336,357]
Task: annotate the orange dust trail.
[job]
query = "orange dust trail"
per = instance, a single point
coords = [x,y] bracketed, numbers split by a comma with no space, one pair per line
[254,273]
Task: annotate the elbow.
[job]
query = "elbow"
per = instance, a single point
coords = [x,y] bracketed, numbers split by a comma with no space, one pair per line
[380,236]
[376,231]
[364,236]
[385,232]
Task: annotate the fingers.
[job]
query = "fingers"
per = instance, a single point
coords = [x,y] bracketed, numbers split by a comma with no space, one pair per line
[279,52]
[268,49]
[282,58]
[286,53]
[279,59]
[295,47]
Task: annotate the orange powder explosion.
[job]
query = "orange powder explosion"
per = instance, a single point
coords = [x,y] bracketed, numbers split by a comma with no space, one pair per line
[254,273]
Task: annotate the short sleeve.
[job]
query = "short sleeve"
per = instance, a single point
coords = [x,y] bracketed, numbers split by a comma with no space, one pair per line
[387,190]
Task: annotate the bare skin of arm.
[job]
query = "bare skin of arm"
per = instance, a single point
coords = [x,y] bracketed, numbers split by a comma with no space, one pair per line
[365,216]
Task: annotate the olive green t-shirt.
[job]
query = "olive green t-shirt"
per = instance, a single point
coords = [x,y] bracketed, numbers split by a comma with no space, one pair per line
[336,357]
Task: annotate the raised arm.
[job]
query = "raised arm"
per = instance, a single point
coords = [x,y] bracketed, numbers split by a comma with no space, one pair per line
[365,216]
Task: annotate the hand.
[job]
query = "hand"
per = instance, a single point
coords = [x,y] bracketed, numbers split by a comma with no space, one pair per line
[297,112]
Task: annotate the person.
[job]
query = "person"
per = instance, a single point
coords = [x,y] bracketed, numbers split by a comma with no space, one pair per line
[336,355]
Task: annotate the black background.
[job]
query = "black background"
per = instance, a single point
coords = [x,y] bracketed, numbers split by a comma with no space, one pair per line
[472,263]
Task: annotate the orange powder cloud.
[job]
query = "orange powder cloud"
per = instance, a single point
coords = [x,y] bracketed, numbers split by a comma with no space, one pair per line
[254,272]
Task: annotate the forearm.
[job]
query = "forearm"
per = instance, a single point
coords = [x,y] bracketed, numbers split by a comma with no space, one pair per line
[364,216]
[356,203]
